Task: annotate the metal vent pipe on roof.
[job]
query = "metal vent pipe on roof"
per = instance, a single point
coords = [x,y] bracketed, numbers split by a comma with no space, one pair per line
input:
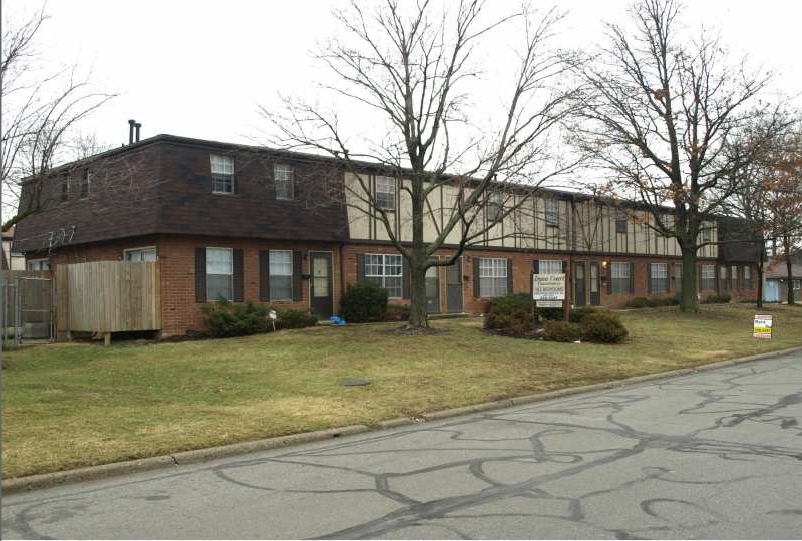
[137,126]
[131,123]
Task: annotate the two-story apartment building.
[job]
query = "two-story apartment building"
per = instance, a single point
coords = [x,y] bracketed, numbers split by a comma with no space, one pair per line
[286,228]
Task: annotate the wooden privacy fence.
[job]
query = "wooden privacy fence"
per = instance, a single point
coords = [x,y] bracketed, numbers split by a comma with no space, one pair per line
[108,296]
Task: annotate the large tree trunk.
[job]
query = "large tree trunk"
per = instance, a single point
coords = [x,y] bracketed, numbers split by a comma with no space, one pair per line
[760,274]
[418,309]
[689,301]
[789,268]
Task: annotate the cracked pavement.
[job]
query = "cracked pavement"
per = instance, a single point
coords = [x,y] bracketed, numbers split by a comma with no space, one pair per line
[716,454]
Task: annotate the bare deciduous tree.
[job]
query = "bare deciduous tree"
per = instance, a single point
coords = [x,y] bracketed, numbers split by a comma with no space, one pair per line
[410,67]
[659,113]
[40,113]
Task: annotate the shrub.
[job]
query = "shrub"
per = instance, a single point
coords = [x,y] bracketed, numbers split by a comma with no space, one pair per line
[548,314]
[579,313]
[225,318]
[363,302]
[396,312]
[561,331]
[651,302]
[603,326]
[718,299]
[295,319]
[637,302]
[511,314]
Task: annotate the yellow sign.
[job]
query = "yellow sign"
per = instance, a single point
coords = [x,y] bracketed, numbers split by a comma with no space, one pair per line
[762,326]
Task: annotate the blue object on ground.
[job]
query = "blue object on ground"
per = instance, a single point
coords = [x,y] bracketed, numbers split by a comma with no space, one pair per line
[337,320]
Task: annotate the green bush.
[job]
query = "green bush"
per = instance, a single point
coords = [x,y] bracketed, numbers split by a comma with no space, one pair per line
[603,326]
[578,314]
[364,302]
[718,299]
[548,314]
[561,331]
[295,319]
[651,302]
[511,315]
[397,312]
[224,318]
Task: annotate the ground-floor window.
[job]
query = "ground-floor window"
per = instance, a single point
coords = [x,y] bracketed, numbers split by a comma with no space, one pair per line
[280,275]
[678,278]
[620,277]
[492,277]
[387,271]
[734,277]
[219,274]
[550,266]
[722,278]
[797,284]
[708,277]
[39,264]
[747,277]
[140,254]
[658,277]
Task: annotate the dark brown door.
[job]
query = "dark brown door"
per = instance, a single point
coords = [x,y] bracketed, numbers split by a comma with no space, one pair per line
[579,284]
[593,283]
[320,288]
[454,287]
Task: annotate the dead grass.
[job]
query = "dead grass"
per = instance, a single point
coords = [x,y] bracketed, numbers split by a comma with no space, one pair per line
[70,405]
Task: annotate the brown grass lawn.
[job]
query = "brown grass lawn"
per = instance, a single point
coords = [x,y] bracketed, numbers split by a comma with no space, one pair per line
[71,405]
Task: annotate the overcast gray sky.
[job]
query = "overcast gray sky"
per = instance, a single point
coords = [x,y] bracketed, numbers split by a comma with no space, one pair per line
[199,68]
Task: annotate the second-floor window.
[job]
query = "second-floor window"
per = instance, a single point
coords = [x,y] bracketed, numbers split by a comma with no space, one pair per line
[86,179]
[495,207]
[65,188]
[620,277]
[621,221]
[222,173]
[708,277]
[283,179]
[385,193]
[552,213]
[658,279]
[706,233]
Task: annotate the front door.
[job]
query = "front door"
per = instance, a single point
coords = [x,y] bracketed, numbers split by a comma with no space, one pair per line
[454,287]
[320,288]
[594,283]
[433,290]
[579,284]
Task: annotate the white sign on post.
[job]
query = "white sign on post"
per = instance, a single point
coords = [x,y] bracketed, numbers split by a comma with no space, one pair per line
[762,326]
[548,290]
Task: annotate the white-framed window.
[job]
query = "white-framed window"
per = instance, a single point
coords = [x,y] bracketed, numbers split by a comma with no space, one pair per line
[65,187]
[385,193]
[621,221]
[387,271]
[86,181]
[747,277]
[722,277]
[678,277]
[708,277]
[620,277]
[549,266]
[219,273]
[658,277]
[280,275]
[495,207]
[140,254]
[734,276]
[706,233]
[222,168]
[552,212]
[38,264]
[284,181]
[797,284]
[492,277]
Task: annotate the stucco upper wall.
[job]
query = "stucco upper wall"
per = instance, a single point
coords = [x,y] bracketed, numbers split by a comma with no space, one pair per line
[584,226]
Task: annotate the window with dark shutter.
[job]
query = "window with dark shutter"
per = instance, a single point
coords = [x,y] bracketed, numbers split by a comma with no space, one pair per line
[297,292]
[264,275]
[200,274]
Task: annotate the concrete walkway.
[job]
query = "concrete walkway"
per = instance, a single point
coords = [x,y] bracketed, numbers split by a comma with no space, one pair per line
[716,454]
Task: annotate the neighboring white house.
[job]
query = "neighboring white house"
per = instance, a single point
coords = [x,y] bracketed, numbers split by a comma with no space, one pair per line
[17,261]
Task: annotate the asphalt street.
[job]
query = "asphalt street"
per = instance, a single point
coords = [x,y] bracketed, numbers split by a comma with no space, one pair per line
[716,454]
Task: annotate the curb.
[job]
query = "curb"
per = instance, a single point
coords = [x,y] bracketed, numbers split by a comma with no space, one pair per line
[90,473]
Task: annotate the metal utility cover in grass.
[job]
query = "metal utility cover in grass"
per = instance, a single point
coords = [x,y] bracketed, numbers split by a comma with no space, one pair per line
[354,382]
